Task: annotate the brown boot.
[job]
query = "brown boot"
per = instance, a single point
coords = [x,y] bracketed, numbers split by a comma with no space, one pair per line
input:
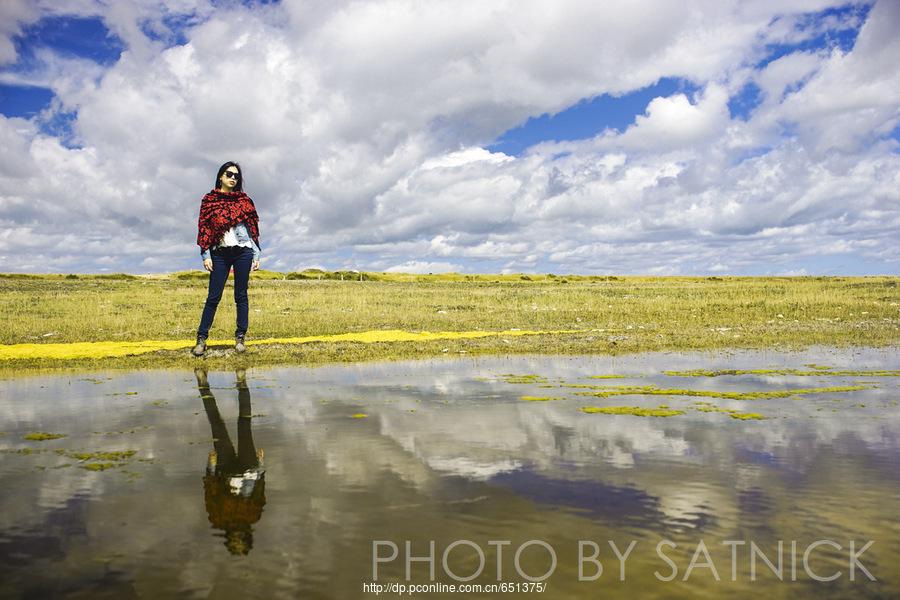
[200,348]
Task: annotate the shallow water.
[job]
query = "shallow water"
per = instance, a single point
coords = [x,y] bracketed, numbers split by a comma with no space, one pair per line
[359,460]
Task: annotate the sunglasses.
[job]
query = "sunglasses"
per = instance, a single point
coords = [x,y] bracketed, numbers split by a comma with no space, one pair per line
[232,174]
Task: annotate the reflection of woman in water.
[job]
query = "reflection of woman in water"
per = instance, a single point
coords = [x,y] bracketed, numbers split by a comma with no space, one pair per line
[234,484]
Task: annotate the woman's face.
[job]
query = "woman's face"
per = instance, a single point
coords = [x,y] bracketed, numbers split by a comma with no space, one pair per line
[229,178]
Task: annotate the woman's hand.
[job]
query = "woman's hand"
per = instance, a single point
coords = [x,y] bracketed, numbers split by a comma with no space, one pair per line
[255,266]
[207,264]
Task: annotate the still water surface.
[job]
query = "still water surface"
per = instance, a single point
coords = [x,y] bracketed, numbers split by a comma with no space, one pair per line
[288,482]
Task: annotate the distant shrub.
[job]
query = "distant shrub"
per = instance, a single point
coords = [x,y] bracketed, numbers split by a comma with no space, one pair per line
[330,275]
[190,275]
[349,276]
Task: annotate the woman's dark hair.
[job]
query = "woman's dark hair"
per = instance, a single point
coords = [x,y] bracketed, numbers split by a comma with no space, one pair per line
[240,182]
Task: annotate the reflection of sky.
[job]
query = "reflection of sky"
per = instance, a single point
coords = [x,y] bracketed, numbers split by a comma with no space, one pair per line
[595,498]
[446,446]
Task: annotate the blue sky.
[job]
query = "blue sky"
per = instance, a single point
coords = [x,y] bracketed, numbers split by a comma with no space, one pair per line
[76,37]
[588,117]
[630,149]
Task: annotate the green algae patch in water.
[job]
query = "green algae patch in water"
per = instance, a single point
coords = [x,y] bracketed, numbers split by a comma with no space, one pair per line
[734,414]
[41,436]
[358,416]
[636,411]
[708,407]
[818,372]
[582,386]
[650,390]
[100,466]
[99,461]
[607,377]
[539,398]
[21,451]
[116,455]
[513,378]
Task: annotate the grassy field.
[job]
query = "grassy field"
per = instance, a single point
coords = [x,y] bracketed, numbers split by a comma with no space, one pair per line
[611,314]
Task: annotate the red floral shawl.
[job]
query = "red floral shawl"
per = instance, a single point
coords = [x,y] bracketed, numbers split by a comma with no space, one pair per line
[220,211]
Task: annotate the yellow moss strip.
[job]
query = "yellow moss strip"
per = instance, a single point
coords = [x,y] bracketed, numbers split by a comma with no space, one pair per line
[111,349]
[538,398]
[636,411]
[88,349]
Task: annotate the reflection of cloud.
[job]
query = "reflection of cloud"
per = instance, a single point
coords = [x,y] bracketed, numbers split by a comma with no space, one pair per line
[435,417]
[473,469]
[691,504]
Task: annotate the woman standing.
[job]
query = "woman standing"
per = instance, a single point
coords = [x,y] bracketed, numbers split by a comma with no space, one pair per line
[228,236]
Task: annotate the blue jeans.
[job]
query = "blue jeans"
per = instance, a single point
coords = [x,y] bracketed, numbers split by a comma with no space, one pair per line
[241,258]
